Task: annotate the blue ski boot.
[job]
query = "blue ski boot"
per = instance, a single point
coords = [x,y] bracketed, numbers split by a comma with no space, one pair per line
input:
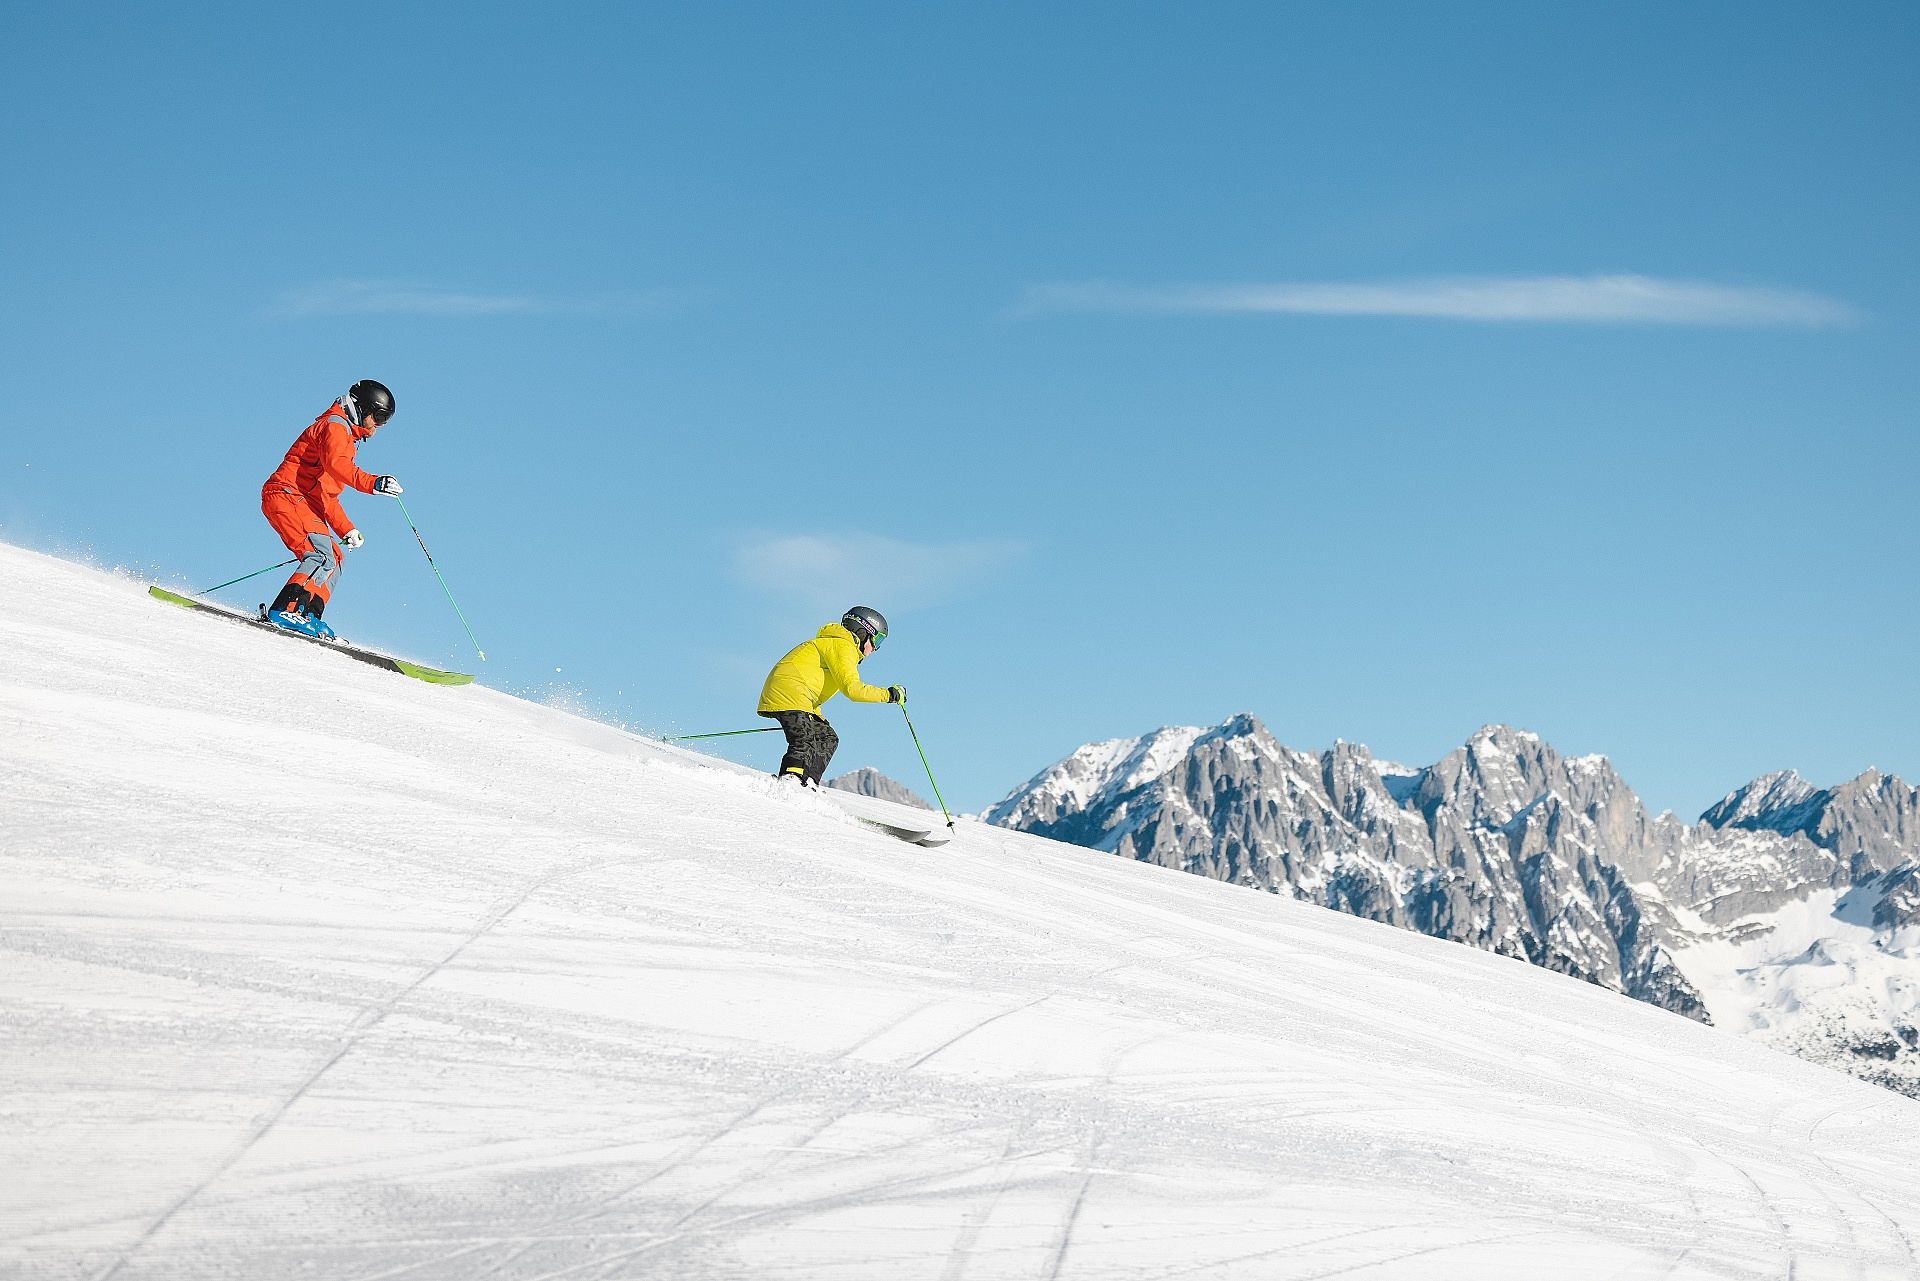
[290,611]
[293,620]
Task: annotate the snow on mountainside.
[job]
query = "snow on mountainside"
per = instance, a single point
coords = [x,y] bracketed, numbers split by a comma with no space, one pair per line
[1825,979]
[1097,769]
[312,970]
[1508,846]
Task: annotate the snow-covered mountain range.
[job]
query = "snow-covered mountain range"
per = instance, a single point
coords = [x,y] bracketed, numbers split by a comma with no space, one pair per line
[1788,912]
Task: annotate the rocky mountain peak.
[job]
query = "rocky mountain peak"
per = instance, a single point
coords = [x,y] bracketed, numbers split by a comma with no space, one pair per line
[1239,725]
[1777,802]
[1493,776]
[1870,823]
[867,781]
[1071,786]
[1344,757]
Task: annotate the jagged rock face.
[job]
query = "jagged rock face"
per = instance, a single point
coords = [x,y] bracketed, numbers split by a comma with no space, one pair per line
[1778,802]
[1503,844]
[1868,825]
[1900,909]
[1732,875]
[1778,838]
[1872,822]
[868,781]
[1096,770]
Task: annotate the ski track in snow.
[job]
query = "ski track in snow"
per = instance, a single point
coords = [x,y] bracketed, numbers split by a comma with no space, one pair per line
[313,971]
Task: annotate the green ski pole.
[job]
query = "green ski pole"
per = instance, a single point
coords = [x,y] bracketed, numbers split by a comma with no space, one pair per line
[244,577]
[926,767]
[725,733]
[436,573]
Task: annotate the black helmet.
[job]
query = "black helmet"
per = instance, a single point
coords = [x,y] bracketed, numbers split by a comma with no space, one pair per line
[866,624]
[370,400]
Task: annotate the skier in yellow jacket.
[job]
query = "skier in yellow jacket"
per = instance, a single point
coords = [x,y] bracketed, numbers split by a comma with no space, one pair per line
[813,672]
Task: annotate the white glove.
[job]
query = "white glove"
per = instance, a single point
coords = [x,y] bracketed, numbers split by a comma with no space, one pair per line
[351,539]
[387,485]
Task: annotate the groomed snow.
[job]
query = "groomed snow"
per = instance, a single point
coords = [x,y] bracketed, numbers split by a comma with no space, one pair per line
[314,971]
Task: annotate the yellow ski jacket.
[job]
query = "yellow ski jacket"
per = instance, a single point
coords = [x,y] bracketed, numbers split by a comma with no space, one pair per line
[814,671]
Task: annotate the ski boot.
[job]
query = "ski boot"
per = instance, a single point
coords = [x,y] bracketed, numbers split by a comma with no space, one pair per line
[293,620]
[292,610]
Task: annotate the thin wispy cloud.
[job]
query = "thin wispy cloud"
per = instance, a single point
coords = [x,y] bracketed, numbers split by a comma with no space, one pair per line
[1609,299]
[832,571]
[401,298]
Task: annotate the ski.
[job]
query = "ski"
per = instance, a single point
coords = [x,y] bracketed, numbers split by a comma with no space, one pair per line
[906,834]
[903,822]
[431,675]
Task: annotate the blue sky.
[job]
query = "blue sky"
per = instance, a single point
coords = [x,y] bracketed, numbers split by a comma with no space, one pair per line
[1381,370]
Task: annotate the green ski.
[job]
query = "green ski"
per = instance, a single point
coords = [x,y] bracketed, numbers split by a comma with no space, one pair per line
[431,675]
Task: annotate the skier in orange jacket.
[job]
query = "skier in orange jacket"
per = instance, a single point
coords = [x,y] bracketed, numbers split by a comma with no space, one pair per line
[301,500]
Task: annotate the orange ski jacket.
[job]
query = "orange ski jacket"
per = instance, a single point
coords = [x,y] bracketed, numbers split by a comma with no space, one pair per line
[320,463]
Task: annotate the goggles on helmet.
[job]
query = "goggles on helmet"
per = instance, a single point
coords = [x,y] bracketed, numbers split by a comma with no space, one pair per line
[372,401]
[869,627]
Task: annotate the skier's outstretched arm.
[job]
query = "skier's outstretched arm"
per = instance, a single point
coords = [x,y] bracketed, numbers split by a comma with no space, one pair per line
[846,673]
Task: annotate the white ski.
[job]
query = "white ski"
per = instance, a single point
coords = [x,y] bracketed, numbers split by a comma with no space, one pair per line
[907,822]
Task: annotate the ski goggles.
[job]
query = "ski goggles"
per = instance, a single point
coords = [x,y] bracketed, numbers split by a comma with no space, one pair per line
[873,641]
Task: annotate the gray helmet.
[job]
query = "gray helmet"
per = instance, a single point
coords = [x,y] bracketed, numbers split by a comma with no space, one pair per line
[866,624]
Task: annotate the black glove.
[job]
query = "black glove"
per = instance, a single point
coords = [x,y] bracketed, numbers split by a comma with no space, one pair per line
[896,693]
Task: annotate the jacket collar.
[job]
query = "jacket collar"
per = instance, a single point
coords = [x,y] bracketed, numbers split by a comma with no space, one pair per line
[350,414]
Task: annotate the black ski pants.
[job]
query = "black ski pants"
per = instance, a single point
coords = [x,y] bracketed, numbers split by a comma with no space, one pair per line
[811,743]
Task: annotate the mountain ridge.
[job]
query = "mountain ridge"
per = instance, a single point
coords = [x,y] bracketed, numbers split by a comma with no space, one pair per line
[1505,845]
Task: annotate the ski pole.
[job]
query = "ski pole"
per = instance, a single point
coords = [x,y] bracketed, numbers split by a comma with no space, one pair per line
[244,577]
[926,767]
[436,573]
[725,733]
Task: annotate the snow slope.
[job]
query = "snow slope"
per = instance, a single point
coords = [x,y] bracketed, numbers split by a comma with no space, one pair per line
[310,970]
